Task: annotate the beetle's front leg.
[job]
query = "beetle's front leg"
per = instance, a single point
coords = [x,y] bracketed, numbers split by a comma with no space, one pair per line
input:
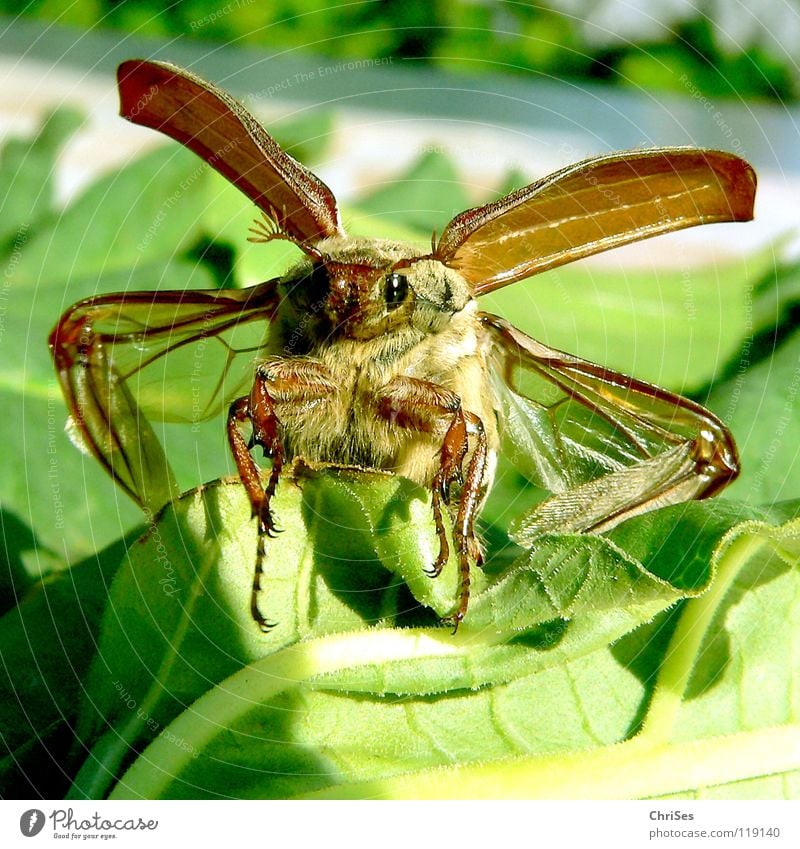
[425,406]
[277,382]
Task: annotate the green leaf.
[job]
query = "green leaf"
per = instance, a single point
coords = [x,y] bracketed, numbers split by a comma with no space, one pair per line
[306,135]
[359,222]
[178,622]
[424,198]
[179,617]
[100,235]
[46,644]
[774,296]
[24,560]
[554,734]
[759,404]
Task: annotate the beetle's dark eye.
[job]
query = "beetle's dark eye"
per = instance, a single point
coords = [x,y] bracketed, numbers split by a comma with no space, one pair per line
[396,289]
[318,280]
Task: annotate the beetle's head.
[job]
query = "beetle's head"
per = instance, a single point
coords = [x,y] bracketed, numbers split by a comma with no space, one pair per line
[364,288]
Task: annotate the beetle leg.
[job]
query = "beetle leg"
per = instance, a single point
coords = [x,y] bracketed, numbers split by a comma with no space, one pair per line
[422,405]
[276,382]
[454,449]
[248,473]
[469,549]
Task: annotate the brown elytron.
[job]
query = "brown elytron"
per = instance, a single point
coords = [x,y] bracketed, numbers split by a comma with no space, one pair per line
[374,353]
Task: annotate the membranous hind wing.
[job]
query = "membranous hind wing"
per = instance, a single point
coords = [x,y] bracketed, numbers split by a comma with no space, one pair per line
[128,359]
[607,446]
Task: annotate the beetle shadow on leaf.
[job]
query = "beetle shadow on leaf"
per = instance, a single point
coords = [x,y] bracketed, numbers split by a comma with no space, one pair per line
[716,653]
[642,651]
[261,756]
[341,537]
[544,636]
[19,541]
[398,507]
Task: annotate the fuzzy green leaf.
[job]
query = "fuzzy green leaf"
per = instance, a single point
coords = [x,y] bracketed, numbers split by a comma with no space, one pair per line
[178,629]
[552,734]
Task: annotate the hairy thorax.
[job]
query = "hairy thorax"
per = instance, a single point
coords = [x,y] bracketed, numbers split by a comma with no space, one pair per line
[352,424]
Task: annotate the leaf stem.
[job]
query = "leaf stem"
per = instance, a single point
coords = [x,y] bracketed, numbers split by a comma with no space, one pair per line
[634,769]
[168,755]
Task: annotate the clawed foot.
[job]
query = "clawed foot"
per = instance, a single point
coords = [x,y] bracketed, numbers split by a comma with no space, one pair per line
[266,521]
[264,624]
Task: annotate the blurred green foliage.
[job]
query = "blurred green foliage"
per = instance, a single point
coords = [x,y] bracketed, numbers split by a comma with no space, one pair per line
[718,47]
